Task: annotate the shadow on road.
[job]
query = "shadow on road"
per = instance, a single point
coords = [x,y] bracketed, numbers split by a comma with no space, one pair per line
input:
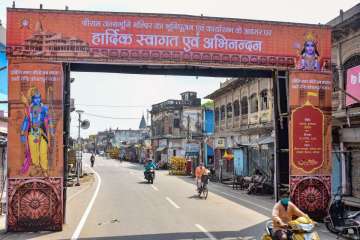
[143,182]
[243,199]
[195,196]
[251,233]
[23,236]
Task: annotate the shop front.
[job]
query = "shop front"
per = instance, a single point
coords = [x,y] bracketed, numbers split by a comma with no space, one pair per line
[192,154]
[219,150]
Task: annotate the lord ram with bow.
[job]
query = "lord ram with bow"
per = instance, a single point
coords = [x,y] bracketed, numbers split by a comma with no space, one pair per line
[36,129]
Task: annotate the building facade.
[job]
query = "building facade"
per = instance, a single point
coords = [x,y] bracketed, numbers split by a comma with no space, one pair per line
[243,126]
[3,115]
[175,126]
[346,110]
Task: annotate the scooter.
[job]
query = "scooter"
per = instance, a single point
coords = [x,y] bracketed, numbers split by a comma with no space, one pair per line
[150,176]
[341,221]
[300,228]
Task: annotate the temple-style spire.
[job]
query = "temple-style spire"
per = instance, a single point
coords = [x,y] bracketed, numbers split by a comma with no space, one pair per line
[38,27]
[142,123]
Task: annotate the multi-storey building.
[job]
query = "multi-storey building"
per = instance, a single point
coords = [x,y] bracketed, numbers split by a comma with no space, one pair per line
[243,125]
[346,110]
[176,125]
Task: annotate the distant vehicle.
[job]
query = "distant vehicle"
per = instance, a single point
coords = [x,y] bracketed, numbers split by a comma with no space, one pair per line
[101,153]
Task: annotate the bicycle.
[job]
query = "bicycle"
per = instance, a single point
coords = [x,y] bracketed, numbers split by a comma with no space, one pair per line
[203,189]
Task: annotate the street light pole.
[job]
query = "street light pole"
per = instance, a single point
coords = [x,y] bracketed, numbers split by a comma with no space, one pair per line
[79,156]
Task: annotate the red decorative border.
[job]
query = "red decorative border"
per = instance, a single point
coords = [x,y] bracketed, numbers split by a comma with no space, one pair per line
[35,204]
[170,57]
[312,194]
[292,125]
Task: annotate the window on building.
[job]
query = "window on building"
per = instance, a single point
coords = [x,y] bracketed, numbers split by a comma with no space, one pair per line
[176,123]
[217,115]
[244,106]
[222,112]
[253,103]
[236,108]
[264,100]
[229,110]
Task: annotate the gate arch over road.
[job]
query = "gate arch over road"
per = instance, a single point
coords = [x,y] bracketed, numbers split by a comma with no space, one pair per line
[42,44]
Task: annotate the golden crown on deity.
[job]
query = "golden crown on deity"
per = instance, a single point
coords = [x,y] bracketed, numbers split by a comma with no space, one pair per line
[32,92]
[309,37]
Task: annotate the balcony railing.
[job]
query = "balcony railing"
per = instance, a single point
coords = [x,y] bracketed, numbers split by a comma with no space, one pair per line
[244,119]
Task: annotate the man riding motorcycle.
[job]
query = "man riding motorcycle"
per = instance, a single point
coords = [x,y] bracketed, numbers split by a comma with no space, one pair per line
[283,212]
[149,165]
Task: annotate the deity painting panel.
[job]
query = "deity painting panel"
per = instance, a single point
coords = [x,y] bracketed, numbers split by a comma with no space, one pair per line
[309,54]
[36,116]
[36,129]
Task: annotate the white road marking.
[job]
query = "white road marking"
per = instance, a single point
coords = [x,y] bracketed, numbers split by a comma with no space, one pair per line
[88,209]
[172,203]
[206,232]
[155,188]
[249,202]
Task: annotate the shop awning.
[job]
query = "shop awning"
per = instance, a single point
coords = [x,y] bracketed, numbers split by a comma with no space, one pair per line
[252,144]
[160,149]
[261,141]
[266,140]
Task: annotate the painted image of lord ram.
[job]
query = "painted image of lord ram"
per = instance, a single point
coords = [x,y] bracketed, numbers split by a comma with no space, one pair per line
[36,130]
[309,55]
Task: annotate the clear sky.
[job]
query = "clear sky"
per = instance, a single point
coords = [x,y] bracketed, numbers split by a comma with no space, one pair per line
[134,94]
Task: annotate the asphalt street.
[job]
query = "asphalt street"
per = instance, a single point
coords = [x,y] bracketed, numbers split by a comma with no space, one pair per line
[119,204]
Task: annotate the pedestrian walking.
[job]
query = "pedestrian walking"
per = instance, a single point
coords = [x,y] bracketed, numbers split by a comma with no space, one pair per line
[92,160]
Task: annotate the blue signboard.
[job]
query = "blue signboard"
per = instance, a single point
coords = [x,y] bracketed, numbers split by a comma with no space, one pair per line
[208,122]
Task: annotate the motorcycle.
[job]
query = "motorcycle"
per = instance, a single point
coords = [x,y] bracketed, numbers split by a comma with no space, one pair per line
[150,176]
[302,228]
[341,221]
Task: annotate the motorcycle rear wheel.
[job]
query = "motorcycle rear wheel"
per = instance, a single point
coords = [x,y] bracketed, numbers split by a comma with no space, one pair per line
[205,193]
[331,227]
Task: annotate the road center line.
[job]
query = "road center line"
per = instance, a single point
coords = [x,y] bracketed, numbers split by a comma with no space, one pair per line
[155,188]
[206,232]
[88,209]
[249,202]
[172,203]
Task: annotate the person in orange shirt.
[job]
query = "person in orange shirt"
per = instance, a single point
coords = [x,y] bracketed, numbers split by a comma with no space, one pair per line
[199,172]
[283,212]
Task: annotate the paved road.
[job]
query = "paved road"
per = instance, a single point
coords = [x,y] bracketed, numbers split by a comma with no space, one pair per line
[169,209]
[128,208]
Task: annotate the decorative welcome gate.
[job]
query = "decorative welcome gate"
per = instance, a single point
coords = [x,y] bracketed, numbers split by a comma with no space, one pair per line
[41,42]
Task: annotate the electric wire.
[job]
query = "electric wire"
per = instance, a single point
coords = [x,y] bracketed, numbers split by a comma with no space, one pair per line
[111,106]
